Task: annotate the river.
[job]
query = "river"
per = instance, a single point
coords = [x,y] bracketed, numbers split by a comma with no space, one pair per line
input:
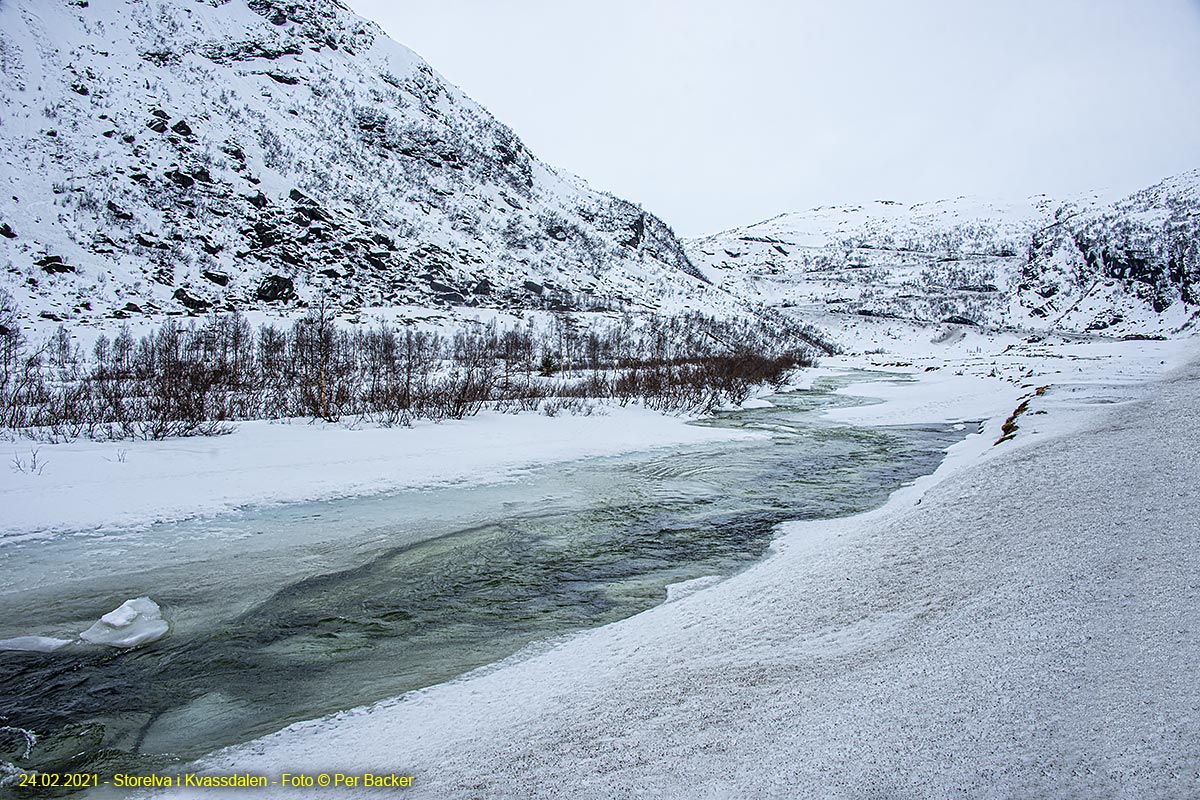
[286,613]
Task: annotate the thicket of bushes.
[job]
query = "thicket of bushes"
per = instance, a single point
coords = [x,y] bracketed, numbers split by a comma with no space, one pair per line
[194,378]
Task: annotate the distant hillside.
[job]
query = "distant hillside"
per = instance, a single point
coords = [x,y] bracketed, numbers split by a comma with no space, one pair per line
[1130,267]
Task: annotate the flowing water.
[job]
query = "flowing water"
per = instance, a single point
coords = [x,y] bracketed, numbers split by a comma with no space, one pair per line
[288,613]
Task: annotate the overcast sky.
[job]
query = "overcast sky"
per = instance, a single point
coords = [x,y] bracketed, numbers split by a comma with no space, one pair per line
[716,114]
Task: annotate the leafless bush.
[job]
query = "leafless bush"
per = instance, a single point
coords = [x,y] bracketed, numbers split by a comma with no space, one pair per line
[193,379]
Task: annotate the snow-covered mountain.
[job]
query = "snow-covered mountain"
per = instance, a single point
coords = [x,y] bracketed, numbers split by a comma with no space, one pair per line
[175,155]
[165,156]
[1130,266]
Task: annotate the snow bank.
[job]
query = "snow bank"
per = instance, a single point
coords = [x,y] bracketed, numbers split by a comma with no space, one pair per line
[91,484]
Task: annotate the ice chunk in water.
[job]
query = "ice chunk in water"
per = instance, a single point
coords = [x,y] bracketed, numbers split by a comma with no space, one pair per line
[134,622]
[120,616]
[34,644]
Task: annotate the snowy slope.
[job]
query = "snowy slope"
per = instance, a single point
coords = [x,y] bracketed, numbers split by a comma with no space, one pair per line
[1100,265]
[175,155]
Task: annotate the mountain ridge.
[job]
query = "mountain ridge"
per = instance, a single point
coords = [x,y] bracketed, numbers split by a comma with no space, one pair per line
[171,156]
[1124,267]
[181,156]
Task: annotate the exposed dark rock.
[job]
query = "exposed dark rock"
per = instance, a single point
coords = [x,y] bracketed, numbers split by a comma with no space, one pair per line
[182,128]
[190,302]
[290,257]
[636,232]
[157,125]
[118,213]
[266,233]
[439,287]
[533,286]
[7,232]
[161,58]
[183,180]
[956,319]
[313,213]
[483,287]
[275,289]
[279,77]
[53,265]
[1104,321]
[224,52]
[258,200]
[275,13]
[219,278]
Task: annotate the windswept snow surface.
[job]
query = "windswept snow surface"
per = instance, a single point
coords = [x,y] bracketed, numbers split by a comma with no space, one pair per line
[1020,624]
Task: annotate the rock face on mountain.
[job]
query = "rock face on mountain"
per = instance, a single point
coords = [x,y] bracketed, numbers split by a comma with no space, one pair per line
[1124,267]
[184,155]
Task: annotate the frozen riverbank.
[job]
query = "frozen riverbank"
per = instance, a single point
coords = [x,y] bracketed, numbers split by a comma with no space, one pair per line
[88,485]
[1021,630]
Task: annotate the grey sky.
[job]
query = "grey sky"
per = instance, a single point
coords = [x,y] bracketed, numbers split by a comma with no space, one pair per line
[716,114]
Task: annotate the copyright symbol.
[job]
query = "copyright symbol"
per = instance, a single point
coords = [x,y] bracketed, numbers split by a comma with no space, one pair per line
[322,780]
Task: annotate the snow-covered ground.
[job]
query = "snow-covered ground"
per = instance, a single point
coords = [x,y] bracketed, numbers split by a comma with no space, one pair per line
[1019,624]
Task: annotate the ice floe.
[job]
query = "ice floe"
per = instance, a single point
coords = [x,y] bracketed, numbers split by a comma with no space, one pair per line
[134,622]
